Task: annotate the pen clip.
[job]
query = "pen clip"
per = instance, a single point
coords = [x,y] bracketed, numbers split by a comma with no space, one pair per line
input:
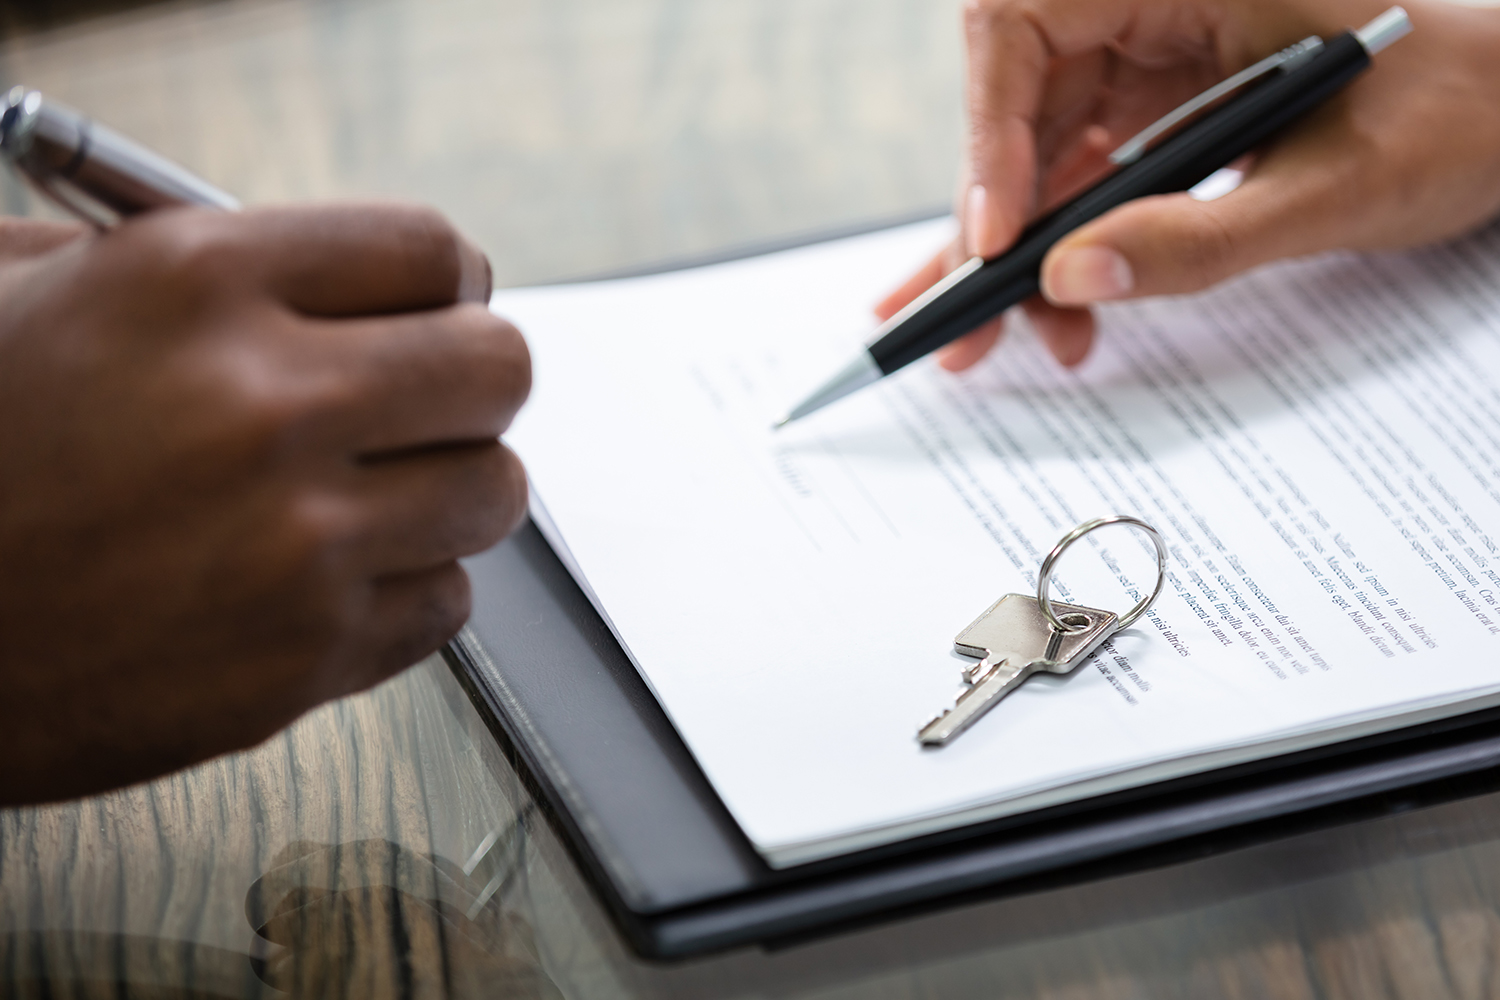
[1288,58]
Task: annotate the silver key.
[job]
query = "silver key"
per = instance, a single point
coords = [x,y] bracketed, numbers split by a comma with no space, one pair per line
[1014,640]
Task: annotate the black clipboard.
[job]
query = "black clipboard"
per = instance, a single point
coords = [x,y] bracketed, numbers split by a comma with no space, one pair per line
[680,878]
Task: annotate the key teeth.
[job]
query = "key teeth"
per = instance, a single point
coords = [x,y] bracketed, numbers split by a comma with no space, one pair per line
[935,720]
[922,736]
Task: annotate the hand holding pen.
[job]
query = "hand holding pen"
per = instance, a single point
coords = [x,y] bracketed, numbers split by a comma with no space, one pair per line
[240,455]
[1408,154]
[1052,99]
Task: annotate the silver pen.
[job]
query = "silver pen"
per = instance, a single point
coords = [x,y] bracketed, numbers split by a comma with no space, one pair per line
[92,171]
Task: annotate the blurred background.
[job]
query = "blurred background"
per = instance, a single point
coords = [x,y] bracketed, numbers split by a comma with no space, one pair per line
[569,137]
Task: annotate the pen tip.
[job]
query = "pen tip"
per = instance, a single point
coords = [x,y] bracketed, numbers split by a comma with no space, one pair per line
[778,425]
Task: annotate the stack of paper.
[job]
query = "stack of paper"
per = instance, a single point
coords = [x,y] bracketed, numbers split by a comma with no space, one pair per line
[1319,443]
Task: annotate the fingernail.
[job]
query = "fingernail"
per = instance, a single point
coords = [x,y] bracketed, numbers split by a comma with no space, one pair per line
[475,280]
[1084,275]
[977,227]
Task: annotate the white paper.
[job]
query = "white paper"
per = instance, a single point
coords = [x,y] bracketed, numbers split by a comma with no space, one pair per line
[1319,443]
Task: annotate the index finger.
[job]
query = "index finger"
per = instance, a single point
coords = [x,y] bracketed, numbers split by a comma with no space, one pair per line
[362,259]
[1012,45]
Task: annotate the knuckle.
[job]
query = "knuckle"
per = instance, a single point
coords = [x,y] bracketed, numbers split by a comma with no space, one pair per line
[192,249]
[440,607]
[430,225]
[430,236]
[448,603]
[502,360]
[305,560]
[489,503]
[264,416]
[513,493]
[980,17]
[986,21]
[428,222]
[231,415]
[265,419]
[317,533]
[517,363]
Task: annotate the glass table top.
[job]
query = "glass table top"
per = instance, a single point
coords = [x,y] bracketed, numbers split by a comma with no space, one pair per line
[383,845]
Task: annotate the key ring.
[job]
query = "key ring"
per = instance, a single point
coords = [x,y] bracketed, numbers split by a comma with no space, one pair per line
[1044,580]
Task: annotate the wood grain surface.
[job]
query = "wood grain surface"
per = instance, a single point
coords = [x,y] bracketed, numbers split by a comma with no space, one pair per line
[382,847]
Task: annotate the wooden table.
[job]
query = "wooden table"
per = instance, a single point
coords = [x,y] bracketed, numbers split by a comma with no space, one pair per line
[384,841]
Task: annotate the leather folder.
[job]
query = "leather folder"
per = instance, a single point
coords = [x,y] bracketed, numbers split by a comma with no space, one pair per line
[680,879]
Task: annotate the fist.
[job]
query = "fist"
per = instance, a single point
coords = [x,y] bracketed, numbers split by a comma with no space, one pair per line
[240,456]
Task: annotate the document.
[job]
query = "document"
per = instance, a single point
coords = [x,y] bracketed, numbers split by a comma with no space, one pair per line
[1318,442]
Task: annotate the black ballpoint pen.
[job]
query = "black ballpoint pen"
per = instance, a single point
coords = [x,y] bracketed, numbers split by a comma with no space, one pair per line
[1276,92]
